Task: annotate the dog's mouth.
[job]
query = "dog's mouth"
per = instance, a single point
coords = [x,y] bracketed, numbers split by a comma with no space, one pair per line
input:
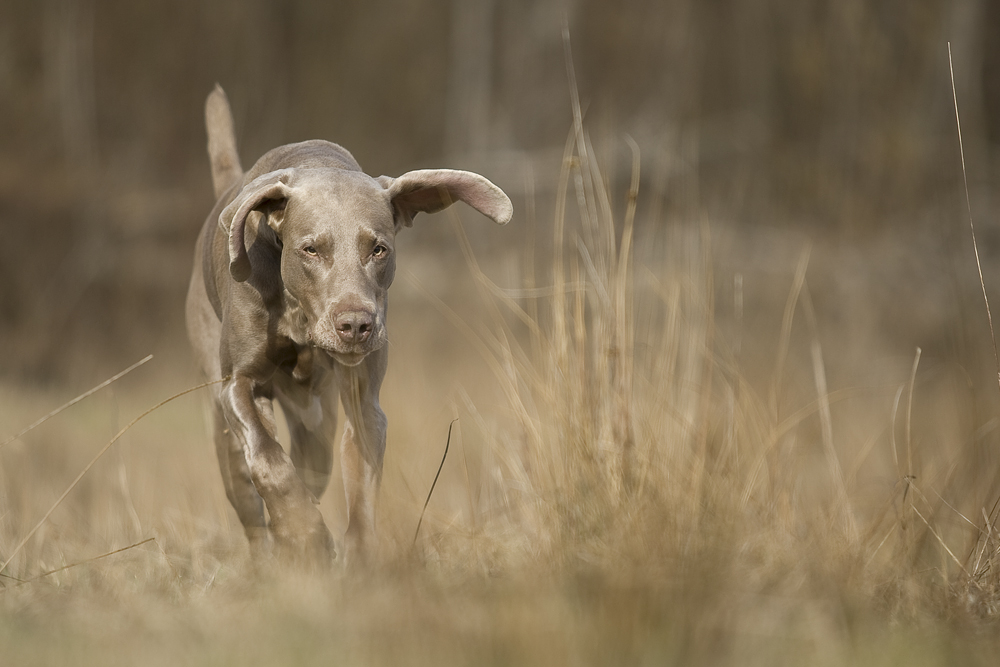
[348,358]
[347,354]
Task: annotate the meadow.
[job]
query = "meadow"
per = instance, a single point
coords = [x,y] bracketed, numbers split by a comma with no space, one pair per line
[679,441]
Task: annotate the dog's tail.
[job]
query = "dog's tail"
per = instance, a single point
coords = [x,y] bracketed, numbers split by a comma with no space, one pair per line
[226,168]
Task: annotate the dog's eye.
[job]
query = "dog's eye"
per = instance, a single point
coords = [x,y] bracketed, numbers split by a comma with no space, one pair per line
[380,251]
[309,250]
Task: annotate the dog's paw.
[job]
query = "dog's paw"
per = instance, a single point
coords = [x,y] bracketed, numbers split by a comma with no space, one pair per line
[261,543]
[359,550]
[303,539]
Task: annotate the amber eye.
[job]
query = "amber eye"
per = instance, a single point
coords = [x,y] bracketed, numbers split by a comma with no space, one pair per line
[309,250]
[380,251]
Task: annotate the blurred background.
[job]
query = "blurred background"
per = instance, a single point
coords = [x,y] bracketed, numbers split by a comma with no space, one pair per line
[779,120]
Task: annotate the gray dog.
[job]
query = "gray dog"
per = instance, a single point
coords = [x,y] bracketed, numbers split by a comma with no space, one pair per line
[288,301]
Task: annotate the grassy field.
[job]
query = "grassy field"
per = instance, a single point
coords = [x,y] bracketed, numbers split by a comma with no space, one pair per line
[678,443]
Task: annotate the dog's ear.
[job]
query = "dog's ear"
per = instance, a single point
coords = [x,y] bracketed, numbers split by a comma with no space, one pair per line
[263,189]
[430,190]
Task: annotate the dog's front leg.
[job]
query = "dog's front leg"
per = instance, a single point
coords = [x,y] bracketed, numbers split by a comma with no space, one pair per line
[362,450]
[296,523]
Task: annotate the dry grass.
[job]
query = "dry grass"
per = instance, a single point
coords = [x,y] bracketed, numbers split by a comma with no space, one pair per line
[658,461]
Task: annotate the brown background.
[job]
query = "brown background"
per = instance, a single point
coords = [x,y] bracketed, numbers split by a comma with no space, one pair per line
[833,118]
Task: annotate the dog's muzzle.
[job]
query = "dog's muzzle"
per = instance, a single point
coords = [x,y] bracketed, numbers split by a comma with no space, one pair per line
[350,335]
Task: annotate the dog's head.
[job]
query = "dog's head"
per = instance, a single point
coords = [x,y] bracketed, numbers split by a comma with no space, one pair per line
[336,230]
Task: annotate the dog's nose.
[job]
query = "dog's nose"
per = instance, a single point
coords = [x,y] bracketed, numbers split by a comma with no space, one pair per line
[354,326]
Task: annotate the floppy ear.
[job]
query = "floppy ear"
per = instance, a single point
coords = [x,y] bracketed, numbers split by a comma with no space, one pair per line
[430,190]
[233,219]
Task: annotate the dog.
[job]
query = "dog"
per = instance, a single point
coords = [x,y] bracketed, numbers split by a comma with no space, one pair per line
[287,301]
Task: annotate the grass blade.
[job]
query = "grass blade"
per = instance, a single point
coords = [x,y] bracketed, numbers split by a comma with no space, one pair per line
[76,400]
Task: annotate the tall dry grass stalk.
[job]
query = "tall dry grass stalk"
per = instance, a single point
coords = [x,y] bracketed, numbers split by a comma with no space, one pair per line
[983,583]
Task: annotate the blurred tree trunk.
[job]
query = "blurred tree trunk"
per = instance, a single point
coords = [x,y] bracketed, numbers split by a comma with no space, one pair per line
[69,78]
[990,79]
[68,67]
[269,38]
[968,37]
[470,77]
